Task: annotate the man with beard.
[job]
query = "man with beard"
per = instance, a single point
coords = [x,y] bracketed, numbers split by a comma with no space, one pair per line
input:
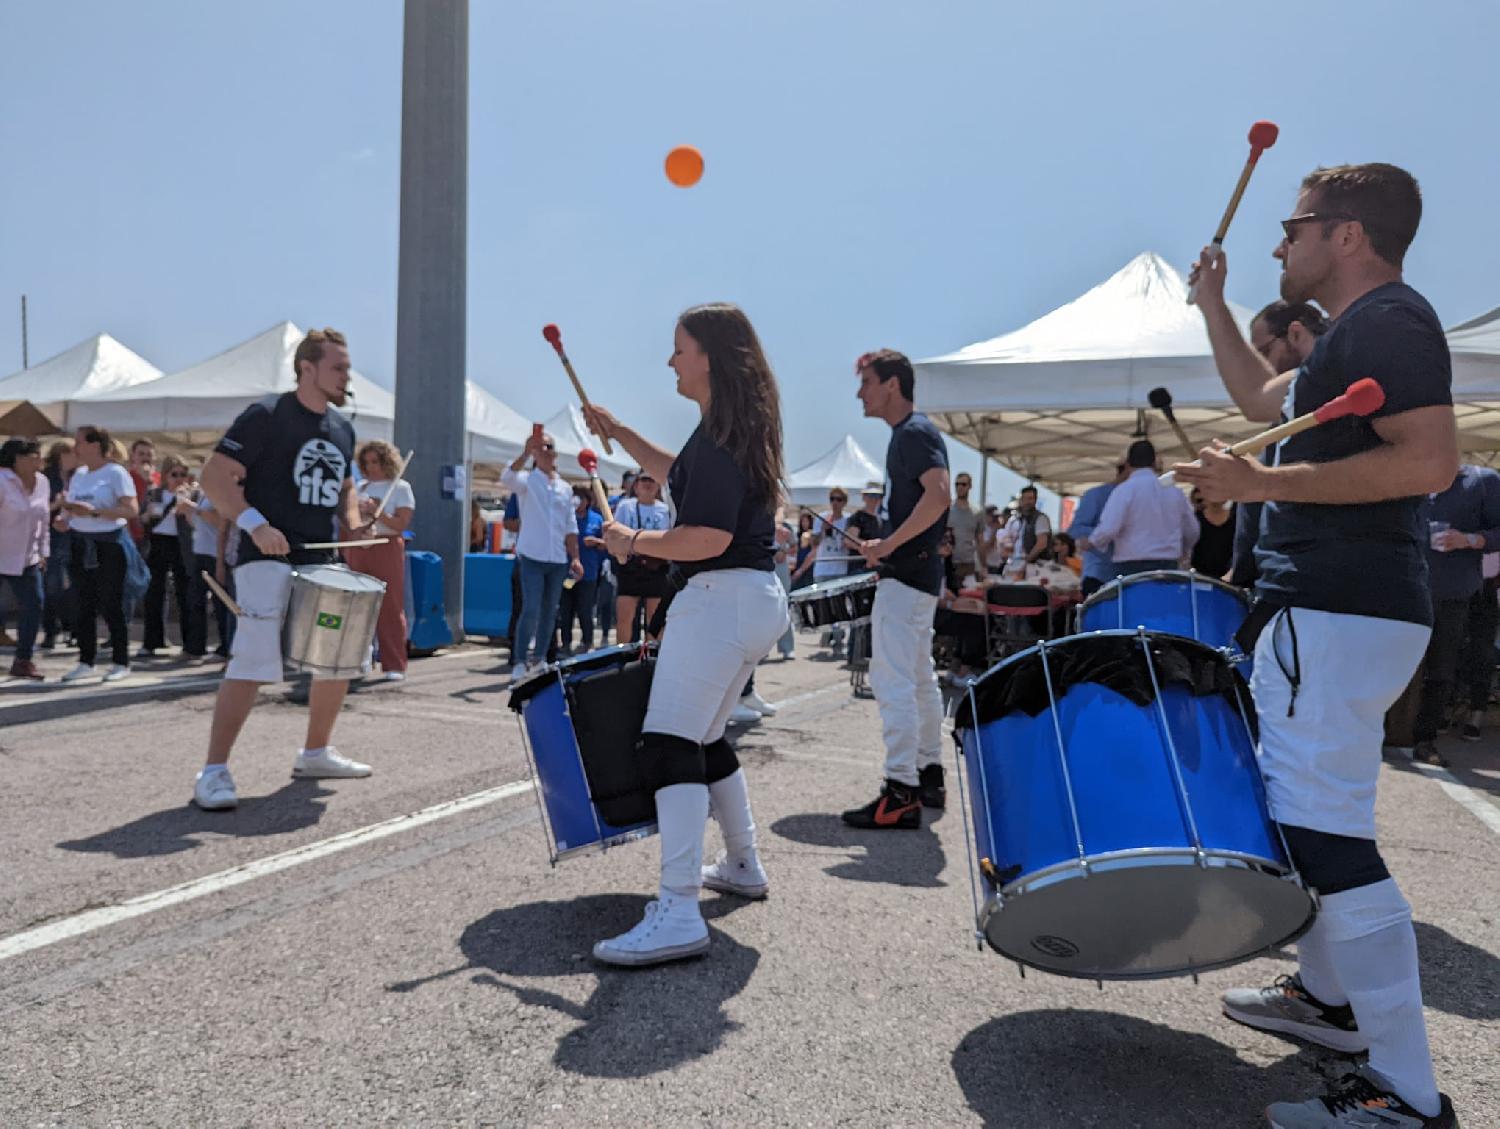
[1345,611]
[281,475]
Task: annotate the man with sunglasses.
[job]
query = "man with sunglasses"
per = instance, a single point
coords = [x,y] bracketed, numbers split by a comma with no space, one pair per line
[546,548]
[1346,612]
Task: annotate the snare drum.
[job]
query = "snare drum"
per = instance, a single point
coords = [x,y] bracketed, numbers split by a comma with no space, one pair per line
[330,620]
[840,600]
[1181,603]
[1119,813]
[580,722]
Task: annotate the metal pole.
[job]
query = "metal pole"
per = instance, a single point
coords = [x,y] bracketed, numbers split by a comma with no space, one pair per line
[984,478]
[430,314]
[25,357]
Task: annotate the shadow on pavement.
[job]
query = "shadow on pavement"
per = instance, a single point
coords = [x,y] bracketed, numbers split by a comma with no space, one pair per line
[899,858]
[1068,1068]
[1457,977]
[292,807]
[638,1021]
[1458,765]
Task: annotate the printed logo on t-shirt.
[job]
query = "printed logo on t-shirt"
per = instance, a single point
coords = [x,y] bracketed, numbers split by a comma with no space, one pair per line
[319,471]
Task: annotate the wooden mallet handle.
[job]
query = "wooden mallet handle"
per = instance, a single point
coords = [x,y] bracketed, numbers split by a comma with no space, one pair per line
[224,597]
[554,338]
[1161,400]
[1362,398]
[590,464]
[401,470]
[1263,135]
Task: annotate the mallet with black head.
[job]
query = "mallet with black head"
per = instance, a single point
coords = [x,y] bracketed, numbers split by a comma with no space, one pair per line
[1161,400]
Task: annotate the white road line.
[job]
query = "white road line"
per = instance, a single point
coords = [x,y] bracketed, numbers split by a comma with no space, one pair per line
[1486,812]
[90,920]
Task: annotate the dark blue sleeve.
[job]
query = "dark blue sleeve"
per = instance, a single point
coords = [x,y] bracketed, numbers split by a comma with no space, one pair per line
[512,507]
[712,491]
[921,449]
[247,436]
[1489,501]
[1405,352]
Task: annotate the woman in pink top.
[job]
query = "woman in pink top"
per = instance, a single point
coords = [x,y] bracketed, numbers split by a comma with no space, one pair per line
[25,524]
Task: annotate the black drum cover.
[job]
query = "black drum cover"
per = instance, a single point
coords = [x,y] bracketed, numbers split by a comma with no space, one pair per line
[609,710]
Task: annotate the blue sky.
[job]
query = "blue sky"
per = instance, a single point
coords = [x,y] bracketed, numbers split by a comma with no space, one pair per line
[918,175]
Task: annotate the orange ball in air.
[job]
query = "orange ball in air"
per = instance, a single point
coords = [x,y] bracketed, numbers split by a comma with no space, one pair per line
[684,166]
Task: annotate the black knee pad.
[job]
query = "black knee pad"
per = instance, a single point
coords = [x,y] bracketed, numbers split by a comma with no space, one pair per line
[719,760]
[1331,863]
[672,760]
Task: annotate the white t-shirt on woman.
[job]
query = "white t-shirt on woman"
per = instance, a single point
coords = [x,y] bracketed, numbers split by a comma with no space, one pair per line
[402,497]
[635,514]
[102,489]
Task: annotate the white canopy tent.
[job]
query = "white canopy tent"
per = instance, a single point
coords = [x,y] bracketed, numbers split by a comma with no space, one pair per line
[1058,400]
[196,404]
[845,464]
[96,367]
[1475,345]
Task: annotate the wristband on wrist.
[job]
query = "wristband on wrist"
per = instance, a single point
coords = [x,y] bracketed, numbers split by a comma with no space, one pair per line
[250,519]
[633,537]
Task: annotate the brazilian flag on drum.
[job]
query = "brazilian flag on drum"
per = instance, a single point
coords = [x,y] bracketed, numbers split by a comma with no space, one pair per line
[330,621]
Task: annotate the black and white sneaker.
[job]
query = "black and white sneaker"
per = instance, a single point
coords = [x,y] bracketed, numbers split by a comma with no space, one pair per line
[1287,1008]
[1361,1100]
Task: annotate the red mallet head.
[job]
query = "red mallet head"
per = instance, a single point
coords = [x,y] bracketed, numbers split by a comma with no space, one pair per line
[1263,135]
[588,461]
[553,336]
[1361,399]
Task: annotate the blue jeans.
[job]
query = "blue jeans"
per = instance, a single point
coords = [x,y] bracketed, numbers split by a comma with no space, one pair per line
[541,591]
[28,591]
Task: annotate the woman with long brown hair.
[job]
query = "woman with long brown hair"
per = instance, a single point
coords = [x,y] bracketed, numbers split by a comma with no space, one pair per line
[726,485]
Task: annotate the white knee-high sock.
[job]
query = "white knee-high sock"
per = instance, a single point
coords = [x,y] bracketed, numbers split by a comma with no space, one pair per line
[730,802]
[681,815]
[1374,951]
[1315,965]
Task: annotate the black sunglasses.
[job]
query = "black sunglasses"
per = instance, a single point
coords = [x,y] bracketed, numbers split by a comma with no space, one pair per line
[1289,226]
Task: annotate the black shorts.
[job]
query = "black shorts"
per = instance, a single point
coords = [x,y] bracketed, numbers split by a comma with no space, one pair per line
[642,582]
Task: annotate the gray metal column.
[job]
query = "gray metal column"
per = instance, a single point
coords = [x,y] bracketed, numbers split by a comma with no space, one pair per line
[430,314]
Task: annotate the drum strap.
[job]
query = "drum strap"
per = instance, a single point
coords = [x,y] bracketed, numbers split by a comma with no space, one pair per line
[1293,676]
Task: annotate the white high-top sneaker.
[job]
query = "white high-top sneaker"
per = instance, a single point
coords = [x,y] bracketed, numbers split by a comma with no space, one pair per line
[743,876]
[672,929]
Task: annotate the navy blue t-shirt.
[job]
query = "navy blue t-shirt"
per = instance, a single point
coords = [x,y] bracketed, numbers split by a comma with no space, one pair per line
[916,447]
[1365,559]
[709,489]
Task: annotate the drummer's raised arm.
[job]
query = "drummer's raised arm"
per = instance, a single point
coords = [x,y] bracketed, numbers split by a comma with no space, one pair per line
[223,481]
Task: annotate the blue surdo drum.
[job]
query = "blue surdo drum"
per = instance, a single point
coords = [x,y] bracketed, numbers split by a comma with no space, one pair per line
[1118,812]
[1180,603]
[580,722]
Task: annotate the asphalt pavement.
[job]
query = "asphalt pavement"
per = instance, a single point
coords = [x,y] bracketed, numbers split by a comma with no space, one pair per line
[398,950]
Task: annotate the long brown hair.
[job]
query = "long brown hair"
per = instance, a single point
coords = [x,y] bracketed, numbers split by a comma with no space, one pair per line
[744,408]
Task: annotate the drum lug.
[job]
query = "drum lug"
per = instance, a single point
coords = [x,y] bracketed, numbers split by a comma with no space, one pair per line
[1101,984]
[1202,856]
[1195,978]
[1021,968]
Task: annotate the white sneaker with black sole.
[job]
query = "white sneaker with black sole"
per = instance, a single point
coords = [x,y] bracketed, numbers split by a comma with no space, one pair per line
[79,673]
[1360,1100]
[328,765]
[755,702]
[745,877]
[1287,1008]
[673,929]
[116,673]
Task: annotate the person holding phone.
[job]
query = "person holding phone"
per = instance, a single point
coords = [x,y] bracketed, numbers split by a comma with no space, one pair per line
[101,500]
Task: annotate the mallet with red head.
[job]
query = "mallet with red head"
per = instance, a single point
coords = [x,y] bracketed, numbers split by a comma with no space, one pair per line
[1262,137]
[590,464]
[554,338]
[1362,398]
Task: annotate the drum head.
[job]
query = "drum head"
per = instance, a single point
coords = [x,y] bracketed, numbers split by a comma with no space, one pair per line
[1148,917]
[341,577]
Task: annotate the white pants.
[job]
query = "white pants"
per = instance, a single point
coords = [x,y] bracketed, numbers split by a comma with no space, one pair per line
[902,678]
[718,628]
[1321,764]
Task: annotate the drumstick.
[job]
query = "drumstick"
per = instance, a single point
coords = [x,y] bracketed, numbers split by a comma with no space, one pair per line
[851,540]
[365,544]
[554,338]
[399,472]
[1161,400]
[590,464]
[224,597]
[1262,136]
[1361,398]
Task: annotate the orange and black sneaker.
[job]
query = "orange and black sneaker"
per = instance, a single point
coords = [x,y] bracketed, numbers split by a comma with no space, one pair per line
[897,808]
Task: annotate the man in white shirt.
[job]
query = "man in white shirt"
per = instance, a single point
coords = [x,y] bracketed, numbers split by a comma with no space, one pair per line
[834,553]
[1145,525]
[546,549]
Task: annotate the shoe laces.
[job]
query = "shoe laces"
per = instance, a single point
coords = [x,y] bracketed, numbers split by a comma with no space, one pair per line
[1289,986]
[1355,1091]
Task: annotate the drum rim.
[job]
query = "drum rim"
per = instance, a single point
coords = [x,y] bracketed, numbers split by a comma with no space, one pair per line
[1108,861]
[607,843]
[1112,590]
[1103,632]
[836,584]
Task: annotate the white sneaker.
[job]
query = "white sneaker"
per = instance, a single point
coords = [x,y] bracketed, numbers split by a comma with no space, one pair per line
[743,715]
[672,929]
[79,672]
[214,790]
[758,704]
[393,676]
[327,764]
[745,877]
[519,672]
[116,672]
